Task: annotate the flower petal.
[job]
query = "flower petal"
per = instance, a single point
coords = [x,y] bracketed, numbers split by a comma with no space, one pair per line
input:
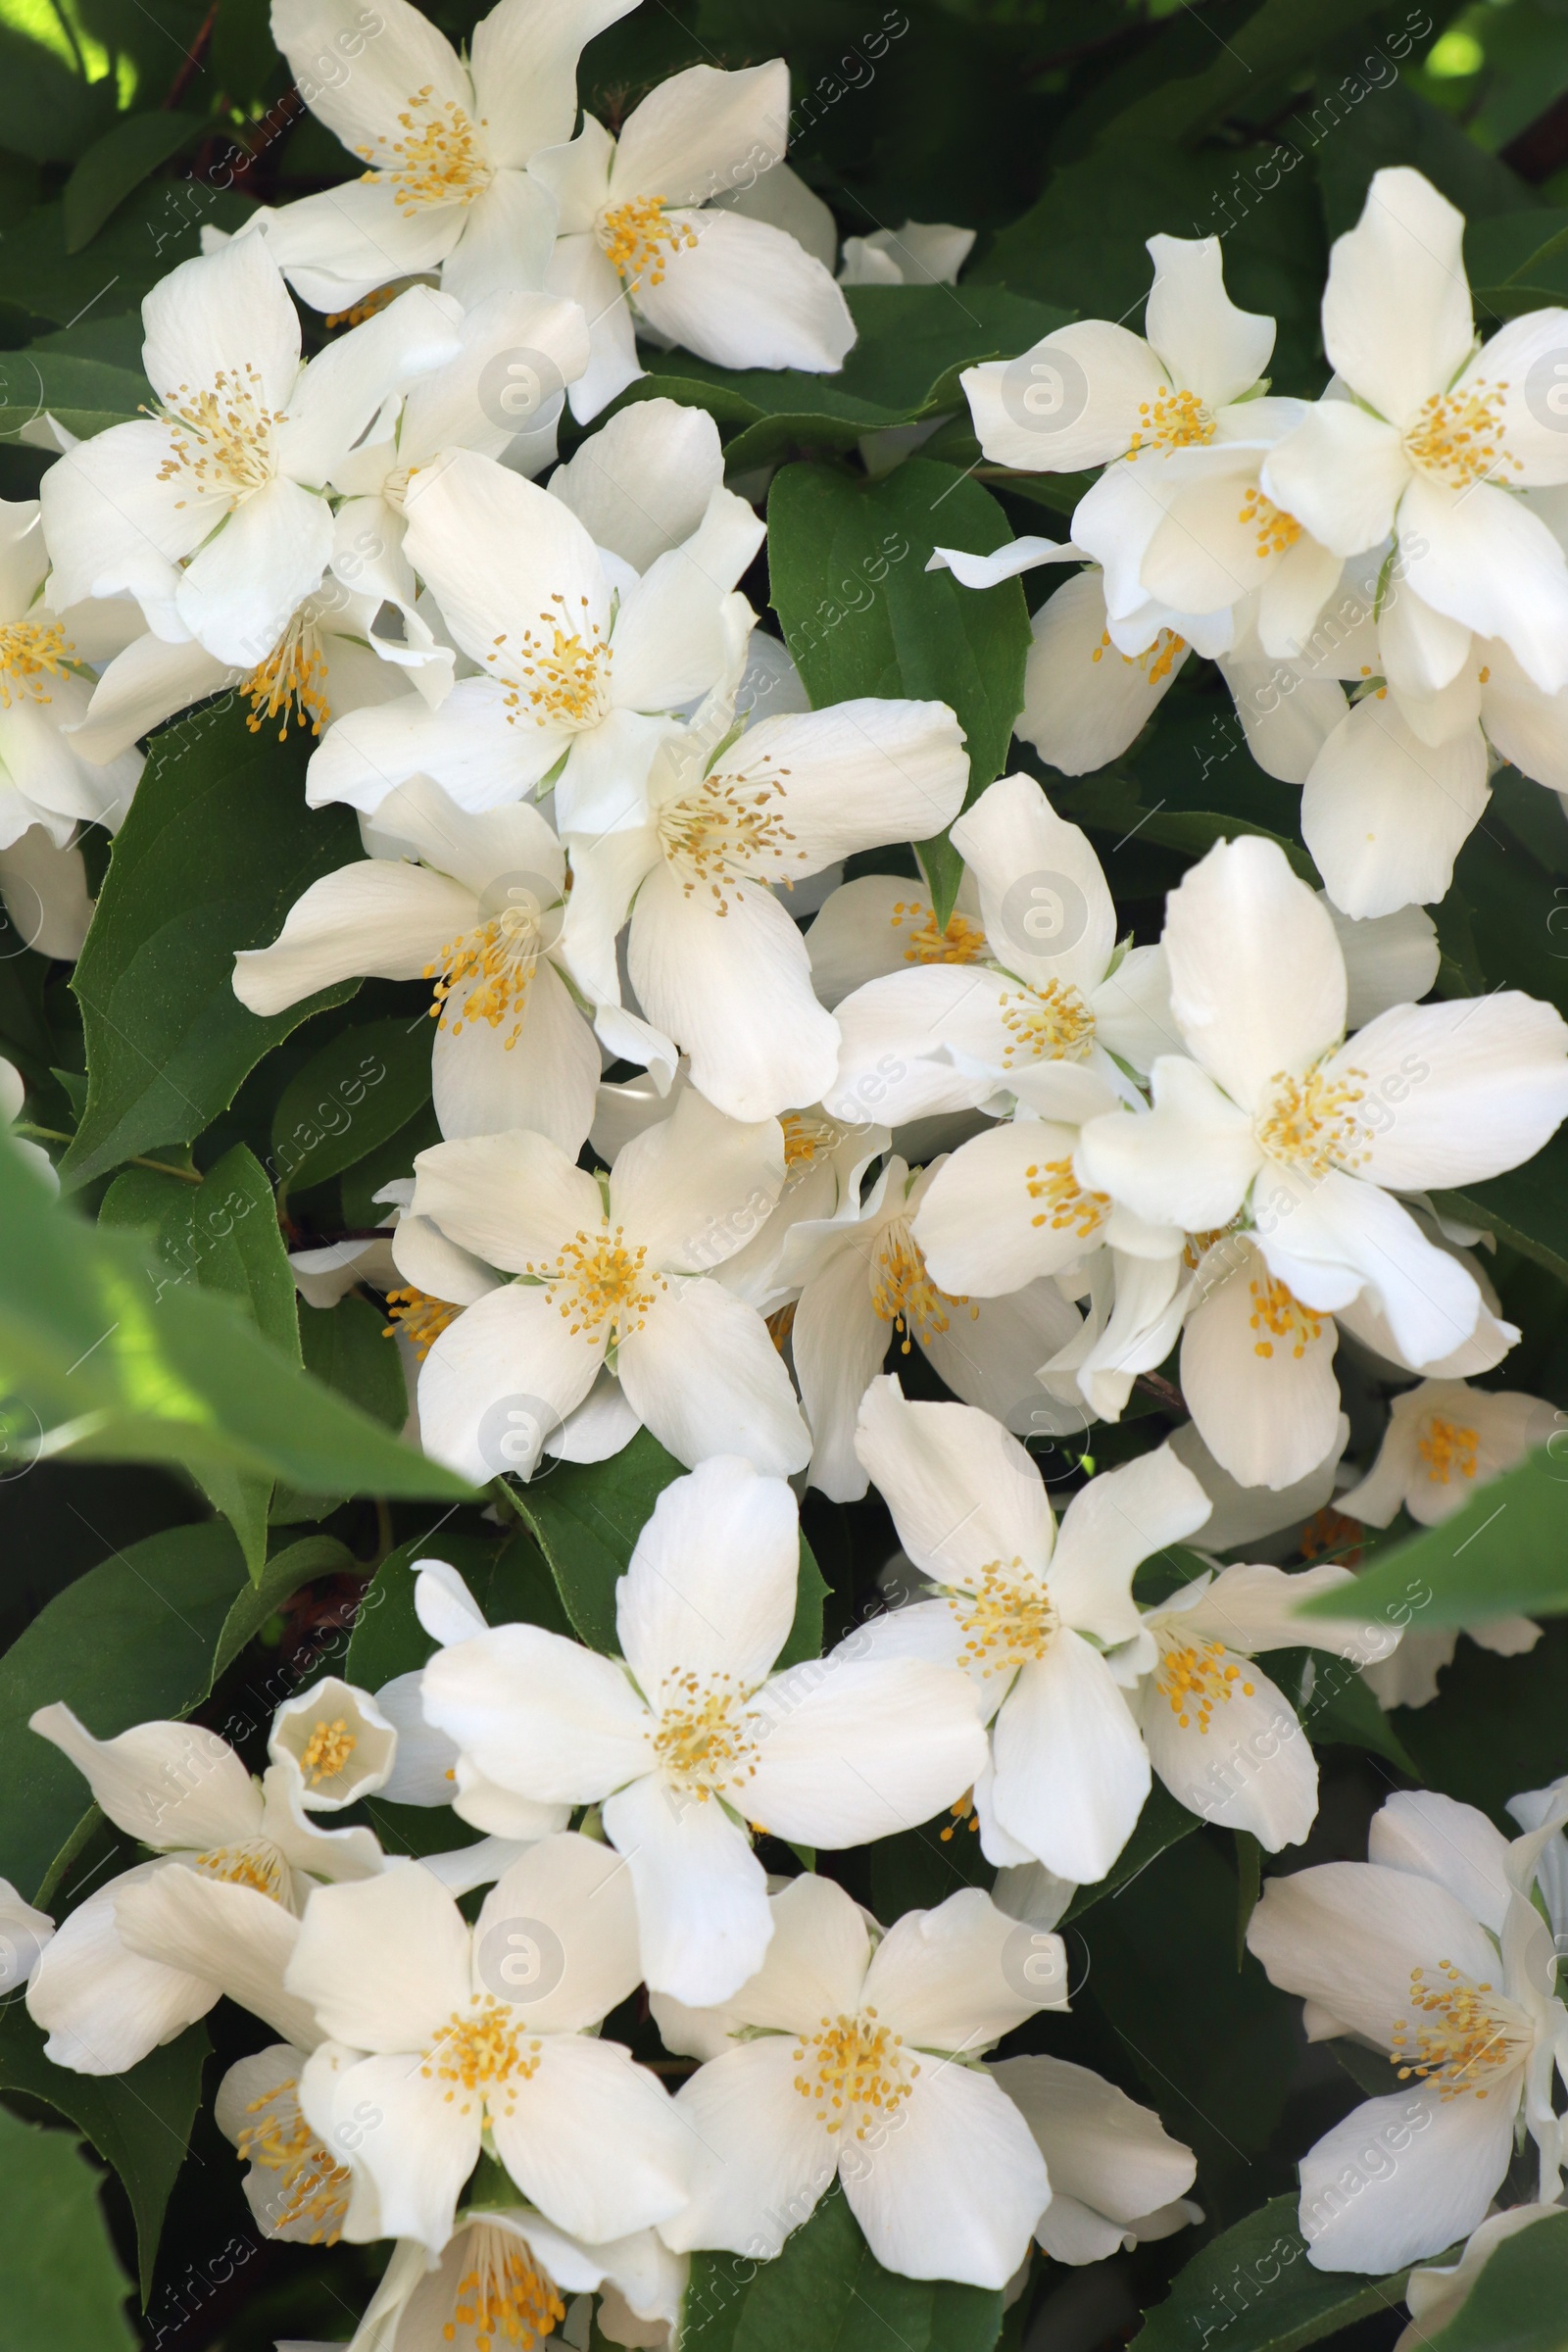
[760,2159]
[1043,900]
[556,1936]
[1071,1769]
[1118,1520]
[703,1373]
[951,2184]
[851,1750]
[383,1961]
[641,484]
[392,2117]
[1403,2177]
[593,2139]
[381,917]
[1459,1091]
[541,1073]
[1385,815]
[1256,976]
[1397,318]
[711,1587]
[103,2006]
[540,1714]
[511,1200]
[962,1491]
[1084,701]
[703,1913]
[1197,329]
[1257,1373]
[745,294]
[236,1938]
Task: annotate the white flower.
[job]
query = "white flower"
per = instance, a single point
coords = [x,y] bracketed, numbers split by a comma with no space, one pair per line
[12,1102]
[922,253]
[860,2064]
[1052,988]
[448,143]
[612,1271]
[480,912]
[296,2188]
[861,1279]
[1437,436]
[640,238]
[1117,2177]
[213,514]
[713,952]
[1031,1615]
[1431,1951]
[640,485]
[1246,1515]
[884,923]
[341,1744]
[442,2033]
[44,892]
[23,1935]
[1435,2294]
[1278,1121]
[217,1913]
[1225,1739]
[693,1735]
[582,664]
[48,780]
[1085,698]
[505,2274]
[1443,1440]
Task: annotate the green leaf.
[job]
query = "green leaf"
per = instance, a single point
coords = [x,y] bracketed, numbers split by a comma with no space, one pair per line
[1518,261]
[1254,2289]
[1504,1554]
[828,2293]
[119,161]
[47,111]
[366,1084]
[217,848]
[115,1360]
[140,245]
[139,2122]
[1275,39]
[587,1516]
[1341,1707]
[912,341]
[888,626]
[1401,126]
[346,1347]
[61,2283]
[510,1581]
[1520,2301]
[84,395]
[1164,1821]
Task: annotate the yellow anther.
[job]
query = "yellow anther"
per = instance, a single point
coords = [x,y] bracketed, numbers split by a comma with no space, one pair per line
[638,239]
[1278,1314]
[438,158]
[904,1294]
[858,2073]
[1313,1122]
[1447,1450]
[1194,1677]
[31,650]
[1067,1206]
[1458,435]
[962,942]
[1276,530]
[422,1318]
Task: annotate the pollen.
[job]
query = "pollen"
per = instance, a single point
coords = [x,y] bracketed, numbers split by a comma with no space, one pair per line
[439,160]
[1461,2038]
[962,942]
[639,237]
[1312,1123]
[558,676]
[482,2055]
[255,1862]
[705,1740]
[223,439]
[805,1141]
[1156,660]
[1447,1450]
[291,683]
[1196,1677]
[1278,1314]
[1008,1619]
[721,834]
[1067,1206]
[1276,530]
[496,965]
[1458,435]
[32,652]
[504,2297]
[904,1294]
[419,1318]
[310,2187]
[856,2072]
[964,1816]
[327,1749]
[1046,1024]
[1172,421]
[601,1283]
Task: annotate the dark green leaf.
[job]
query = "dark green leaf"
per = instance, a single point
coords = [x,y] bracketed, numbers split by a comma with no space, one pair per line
[139,2122]
[61,2283]
[1518,261]
[346,1347]
[1520,2301]
[1341,1707]
[1504,1554]
[218,847]
[141,245]
[84,395]
[1254,2289]
[1402,126]
[47,111]
[365,1085]
[510,1581]
[119,161]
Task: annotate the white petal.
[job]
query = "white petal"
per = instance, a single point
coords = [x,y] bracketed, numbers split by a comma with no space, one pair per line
[711,1589]
[641,484]
[557,1937]
[1187,1162]
[592,2139]
[391,2116]
[1070,401]
[1044,898]
[468,747]
[1385,815]
[539,1714]
[1099,2146]
[216,311]
[362,102]
[962,1491]
[542,1074]
[839,1342]
[1403,2176]
[850,1750]
[1459,1091]
[1084,701]
[852,777]
[164,1784]
[701,1894]
[866,929]
[1485,558]
[1194,326]
[1258,1374]
[1341,474]
[1257,980]
[102,2005]
[981,1223]
[1347,1936]
[1396,310]
[513,1199]
[674,628]
[381,917]
[507,233]
[237,593]
[951,2185]
[1389,959]
[1071,1770]
[745,295]
[1119,1519]
[339,397]
[760,2159]
[384,1961]
[950,1979]
[339,246]
[236,1938]
[115,521]
[704,1375]
[497,549]
[1248,1766]
[1436,1837]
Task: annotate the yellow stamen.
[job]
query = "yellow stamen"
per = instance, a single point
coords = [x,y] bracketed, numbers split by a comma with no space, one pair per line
[310,2187]
[291,682]
[603,1282]
[1067,1204]
[863,2073]
[1458,435]
[255,1862]
[1312,1123]
[558,676]
[635,237]
[1276,530]
[705,1740]
[1046,1024]
[1447,1450]
[904,1294]
[1008,1618]
[31,650]
[962,942]
[1278,1314]
[1194,1677]
[222,438]
[504,2297]
[424,1318]
[718,835]
[327,1749]
[1460,2036]
[1172,421]
[482,2055]
[1156,660]
[496,961]
[439,159]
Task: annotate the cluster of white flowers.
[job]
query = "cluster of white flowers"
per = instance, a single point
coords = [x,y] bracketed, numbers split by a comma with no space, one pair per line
[600,816]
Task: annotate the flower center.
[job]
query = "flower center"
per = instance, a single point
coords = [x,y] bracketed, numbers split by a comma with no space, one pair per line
[1312,1123]
[480,2054]
[222,438]
[497,964]
[31,650]
[1460,2036]
[422,1318]
[857,2073]
[1172,421]
[704,1739]
[1066,1204]
[962,942]
[1278,1314]
[439,160]
[327,1749]
[635,237]
[903,1292]
[1448,1451]
[291,682]
[1156,660]
[310,2187]
[504,2297]
[1046,1024]
[1008,1619]
[805,1141]
[1195,1676]
[559,676]
[603,1281]
[1276,530]
[253,1862]
[1458,435]
[718,835]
